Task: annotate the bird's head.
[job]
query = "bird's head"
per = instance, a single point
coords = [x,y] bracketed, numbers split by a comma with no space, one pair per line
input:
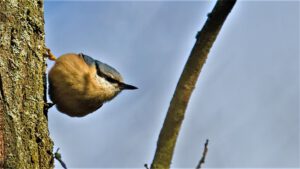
[107,75]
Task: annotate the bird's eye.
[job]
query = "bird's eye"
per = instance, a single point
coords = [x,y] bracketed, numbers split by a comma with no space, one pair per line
[111,80]
[108,78]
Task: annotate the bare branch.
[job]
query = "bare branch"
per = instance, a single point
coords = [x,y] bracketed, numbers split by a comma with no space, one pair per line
[175,115]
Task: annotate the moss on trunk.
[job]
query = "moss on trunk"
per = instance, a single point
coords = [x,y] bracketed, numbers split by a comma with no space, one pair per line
[24,135]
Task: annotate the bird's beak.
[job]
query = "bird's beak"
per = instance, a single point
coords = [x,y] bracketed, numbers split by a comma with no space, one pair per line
[124,86]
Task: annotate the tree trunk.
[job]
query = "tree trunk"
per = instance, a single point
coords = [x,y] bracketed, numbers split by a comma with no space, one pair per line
[24,135]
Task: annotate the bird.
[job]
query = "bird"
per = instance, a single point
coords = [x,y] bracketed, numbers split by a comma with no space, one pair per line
[79,84]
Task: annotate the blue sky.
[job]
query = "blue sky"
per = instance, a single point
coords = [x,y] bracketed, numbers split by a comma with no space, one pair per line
[246,100]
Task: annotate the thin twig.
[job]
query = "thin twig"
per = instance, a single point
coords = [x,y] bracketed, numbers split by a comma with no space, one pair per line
[57,156]
[202,160]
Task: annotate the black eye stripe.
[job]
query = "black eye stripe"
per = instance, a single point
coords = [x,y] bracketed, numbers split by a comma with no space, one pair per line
[111,80]
[99,73]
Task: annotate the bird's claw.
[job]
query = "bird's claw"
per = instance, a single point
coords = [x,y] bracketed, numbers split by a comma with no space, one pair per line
[49,105]
[50,54]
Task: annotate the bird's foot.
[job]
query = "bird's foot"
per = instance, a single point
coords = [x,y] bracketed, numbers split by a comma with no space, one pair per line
[49,105]
[50,54]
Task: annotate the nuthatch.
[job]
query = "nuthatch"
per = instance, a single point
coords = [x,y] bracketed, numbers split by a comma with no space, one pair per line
[79,84]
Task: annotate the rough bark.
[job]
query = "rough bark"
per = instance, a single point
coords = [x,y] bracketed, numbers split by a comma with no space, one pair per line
[175,115]
[24,135]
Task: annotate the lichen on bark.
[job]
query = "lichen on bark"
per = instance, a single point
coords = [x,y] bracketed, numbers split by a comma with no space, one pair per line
[24,135]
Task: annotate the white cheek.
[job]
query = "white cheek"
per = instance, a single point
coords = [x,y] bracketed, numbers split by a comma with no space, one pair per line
[106,84]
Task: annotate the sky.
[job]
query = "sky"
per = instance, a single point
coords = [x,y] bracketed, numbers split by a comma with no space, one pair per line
[246,101]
